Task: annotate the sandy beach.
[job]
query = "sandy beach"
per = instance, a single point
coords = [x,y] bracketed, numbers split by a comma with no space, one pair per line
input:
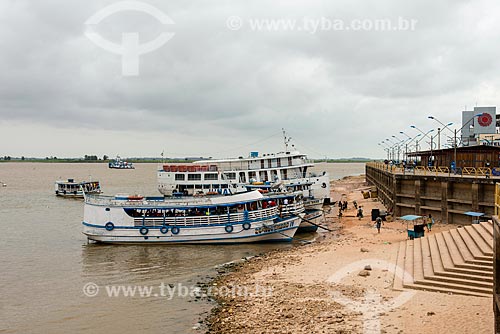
[342,283]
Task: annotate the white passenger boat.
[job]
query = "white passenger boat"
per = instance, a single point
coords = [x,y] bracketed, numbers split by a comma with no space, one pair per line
[75,189]
[231,176]
[118,163]
[240,218]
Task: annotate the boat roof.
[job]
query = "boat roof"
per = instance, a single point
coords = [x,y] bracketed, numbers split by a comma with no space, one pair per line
[177,203]
[265,156]
[74,182]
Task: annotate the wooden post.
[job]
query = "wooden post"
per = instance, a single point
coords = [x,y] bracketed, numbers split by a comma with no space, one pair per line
[444,201]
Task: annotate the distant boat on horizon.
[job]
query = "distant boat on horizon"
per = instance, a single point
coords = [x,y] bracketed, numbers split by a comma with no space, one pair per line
[118,163]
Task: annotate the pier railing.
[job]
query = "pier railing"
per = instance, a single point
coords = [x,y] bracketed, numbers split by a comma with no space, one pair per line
[433,170]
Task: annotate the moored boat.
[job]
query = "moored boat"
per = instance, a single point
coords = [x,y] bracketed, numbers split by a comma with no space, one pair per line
[74,189]
[311,220]
[240,218]
[230,176]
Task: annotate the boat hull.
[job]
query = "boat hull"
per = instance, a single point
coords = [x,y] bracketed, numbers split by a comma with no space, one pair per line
[314,216]
[280,230]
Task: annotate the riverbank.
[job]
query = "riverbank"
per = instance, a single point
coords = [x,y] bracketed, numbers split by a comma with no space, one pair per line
[308,289]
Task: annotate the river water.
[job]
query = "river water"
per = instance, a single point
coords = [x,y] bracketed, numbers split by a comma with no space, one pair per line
[52,281]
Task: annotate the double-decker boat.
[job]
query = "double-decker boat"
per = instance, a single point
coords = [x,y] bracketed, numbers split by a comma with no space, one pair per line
[239,218]
[75,189]
[232,176]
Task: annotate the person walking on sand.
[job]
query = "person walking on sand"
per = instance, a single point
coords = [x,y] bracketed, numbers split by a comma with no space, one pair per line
[378,223]
[430,222]
[360,212]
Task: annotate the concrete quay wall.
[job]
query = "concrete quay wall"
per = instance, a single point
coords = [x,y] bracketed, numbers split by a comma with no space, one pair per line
[444,196]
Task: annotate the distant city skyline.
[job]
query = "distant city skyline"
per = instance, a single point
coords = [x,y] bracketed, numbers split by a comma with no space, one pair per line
[227,76]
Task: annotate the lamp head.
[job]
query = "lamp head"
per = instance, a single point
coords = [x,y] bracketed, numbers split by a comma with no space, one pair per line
[431,117]
[477,115]
[449,124]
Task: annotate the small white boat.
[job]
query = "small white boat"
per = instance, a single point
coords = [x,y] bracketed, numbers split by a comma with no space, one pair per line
[240,218]
[74,189]
[311,220]
[118,163]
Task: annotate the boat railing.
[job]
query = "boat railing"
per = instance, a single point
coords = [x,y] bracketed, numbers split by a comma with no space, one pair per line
[293,208]
[132,201]
[207,219]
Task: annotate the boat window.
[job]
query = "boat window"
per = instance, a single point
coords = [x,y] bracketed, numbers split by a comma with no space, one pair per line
[198,186]
[194,177]
[211,176]
[289,161]
[242,177]
[224,186]
[180,177]
[231,176]
[262,163]
[206,186]
[279,162]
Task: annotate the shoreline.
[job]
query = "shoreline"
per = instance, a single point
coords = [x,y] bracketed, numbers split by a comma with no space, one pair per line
[310,285]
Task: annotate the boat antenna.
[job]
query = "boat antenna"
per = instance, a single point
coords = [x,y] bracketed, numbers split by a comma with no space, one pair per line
[286,140]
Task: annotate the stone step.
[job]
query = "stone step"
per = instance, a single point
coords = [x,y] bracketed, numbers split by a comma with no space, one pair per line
[485,235]
[408,277]
[400,266]
[488,226]
[470,252]
[440,254]
[430,273]
[457,256]
[427,263]
[418,270]
[471,244]
[486,249]
[447,290]
[463,286]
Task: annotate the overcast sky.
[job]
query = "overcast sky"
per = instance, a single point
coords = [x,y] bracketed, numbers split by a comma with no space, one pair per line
[221,87]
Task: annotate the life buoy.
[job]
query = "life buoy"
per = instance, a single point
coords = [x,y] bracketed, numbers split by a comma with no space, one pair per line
[144,230]
[57,192]
[323,185]
[109,226]
[246,226]
[64,192]
[229,228]
[175,230]
[164,229]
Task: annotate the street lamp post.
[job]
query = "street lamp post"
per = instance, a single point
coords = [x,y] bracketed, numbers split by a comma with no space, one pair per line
[445,126]
[426,134]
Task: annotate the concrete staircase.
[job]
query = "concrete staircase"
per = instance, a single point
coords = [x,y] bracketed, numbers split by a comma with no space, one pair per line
[458,261]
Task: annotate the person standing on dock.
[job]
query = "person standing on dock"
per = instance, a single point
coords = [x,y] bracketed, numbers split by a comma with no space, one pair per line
[430,222]
[378,223]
